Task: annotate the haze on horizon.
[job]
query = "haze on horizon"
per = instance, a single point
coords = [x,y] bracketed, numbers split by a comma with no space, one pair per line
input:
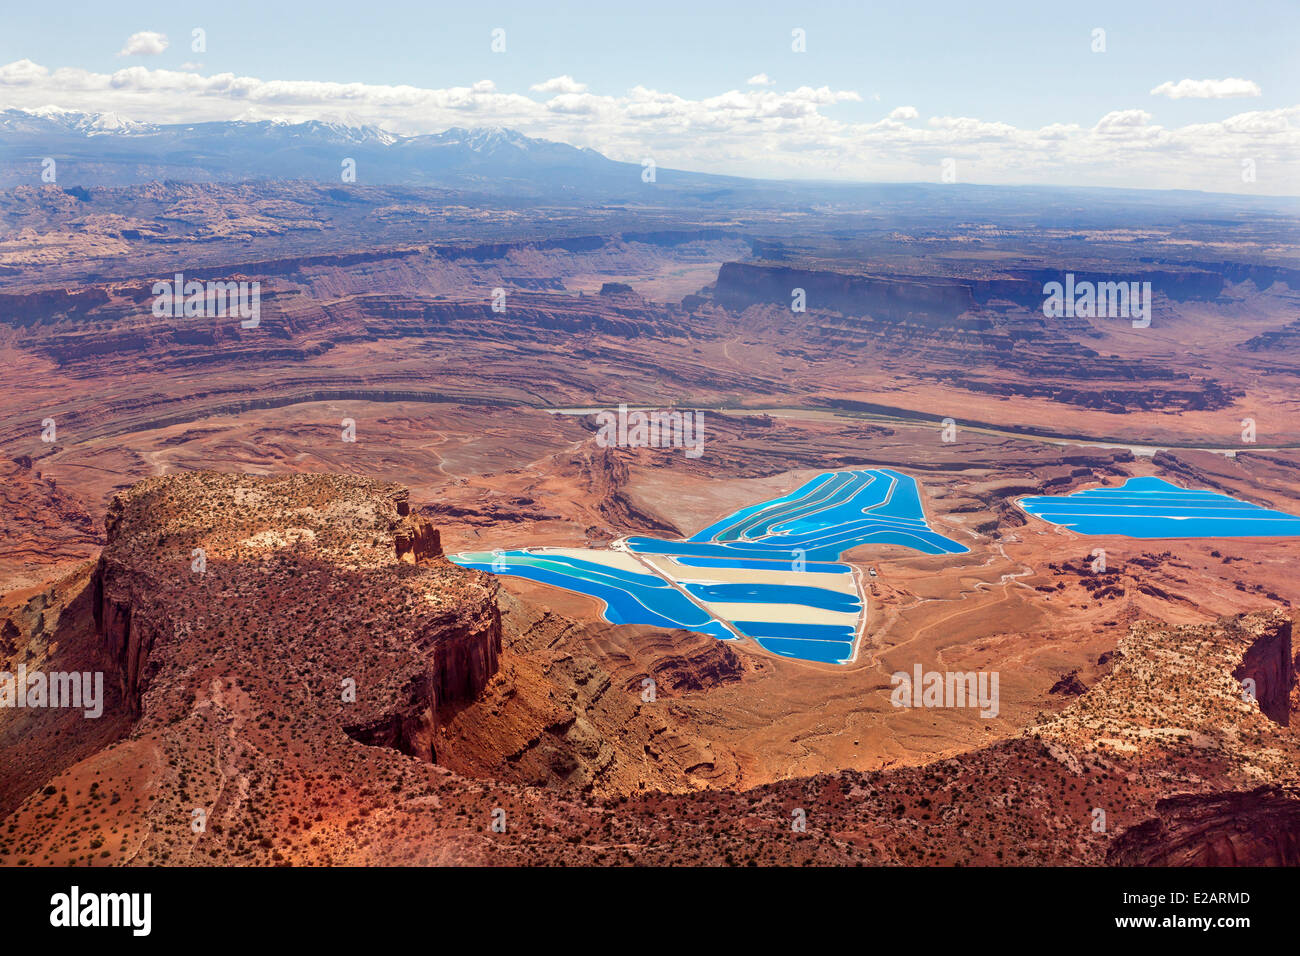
[1172,95]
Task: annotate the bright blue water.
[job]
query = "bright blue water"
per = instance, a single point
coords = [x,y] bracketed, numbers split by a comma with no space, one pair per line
[629,598]
[804,531]
[776,594]
[828,652]
[795,632]
[1154,508]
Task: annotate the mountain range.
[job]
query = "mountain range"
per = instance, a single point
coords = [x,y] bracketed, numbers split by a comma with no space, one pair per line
[106,149]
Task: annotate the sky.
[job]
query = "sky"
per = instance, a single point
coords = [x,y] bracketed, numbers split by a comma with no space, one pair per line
[1146,93]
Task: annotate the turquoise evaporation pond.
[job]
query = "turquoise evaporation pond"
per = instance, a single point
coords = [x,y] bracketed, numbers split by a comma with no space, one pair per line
[1154,508]
[806,530]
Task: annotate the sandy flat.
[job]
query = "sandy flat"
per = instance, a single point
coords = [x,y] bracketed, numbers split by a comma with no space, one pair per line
[781,613]
[610,559]
[681,572]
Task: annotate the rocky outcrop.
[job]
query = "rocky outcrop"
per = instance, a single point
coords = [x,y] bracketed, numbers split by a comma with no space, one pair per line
[925,302]
[416,540]
[126,629]
[980,334]
[1269,664]
[1070,684]
[24,309]
[9,638]
[418,543]
[1258,827]
[563,713]
[695,667]
[463,660]
[604,472]
[929,299]
[179,547]
[296,327]
[41,525]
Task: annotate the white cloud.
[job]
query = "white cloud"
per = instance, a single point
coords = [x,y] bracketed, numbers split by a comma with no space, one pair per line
[559,84]
[1208,89]
[1259,123]
[1058,131]
[759,79]
[144,43]
[1122,121]
[22,73]
[968,128]
[576,104]
[753,132]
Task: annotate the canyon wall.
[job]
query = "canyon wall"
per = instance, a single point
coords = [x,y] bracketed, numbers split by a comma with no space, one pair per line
[1258,827]
[928,302]
[1268,662]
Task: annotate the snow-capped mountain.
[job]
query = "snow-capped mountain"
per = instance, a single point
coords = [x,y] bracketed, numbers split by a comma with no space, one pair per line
[108,149]
[91,124]
[485,139]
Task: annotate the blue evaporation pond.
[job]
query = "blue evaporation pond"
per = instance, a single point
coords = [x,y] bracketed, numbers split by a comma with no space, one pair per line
[629,598]
[810,642]
[819,521]
[1154,508]
[821,598]
[802,534]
